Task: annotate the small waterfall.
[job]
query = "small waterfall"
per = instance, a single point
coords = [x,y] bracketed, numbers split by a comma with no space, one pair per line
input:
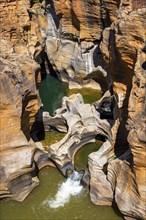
[71,187]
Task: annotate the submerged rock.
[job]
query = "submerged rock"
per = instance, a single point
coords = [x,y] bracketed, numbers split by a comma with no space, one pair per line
[85,180]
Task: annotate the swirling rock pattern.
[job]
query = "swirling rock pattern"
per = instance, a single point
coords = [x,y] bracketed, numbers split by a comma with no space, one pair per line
[99,40]
[73,37]
[115,50]
[83,123]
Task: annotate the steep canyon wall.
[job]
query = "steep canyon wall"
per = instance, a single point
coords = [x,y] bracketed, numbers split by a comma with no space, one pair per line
[20,158]
[105,41]
[73,38]
[94,41]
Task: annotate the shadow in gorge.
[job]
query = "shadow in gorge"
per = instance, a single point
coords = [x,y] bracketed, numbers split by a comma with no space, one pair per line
[122,74]
[97,76]
[26,114]
[97,55]
[46,67]
[75,20]
[106,108]
[37,132]
[121,143]
[144,65]
[101,138]
[116,210]
[51,9]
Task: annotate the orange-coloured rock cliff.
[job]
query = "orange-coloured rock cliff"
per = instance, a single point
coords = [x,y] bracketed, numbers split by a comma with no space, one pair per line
[19,74]
[94,39]
[105,41]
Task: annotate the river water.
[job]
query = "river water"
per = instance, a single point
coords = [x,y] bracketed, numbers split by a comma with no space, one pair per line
[36,206]
[57,198]
[52,91]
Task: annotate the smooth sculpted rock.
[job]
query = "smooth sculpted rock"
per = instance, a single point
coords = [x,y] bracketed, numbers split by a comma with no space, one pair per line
[101,192]
[20,158]
[83,123]
[123,50]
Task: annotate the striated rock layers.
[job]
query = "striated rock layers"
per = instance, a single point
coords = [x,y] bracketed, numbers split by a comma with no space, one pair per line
[20,159]
[73,37]
[98,40]
[83,124]
[105,41]
[123,50]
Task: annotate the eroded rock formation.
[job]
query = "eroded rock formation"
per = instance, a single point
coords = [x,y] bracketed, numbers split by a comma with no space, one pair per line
[20,159]
[83,124]
[99,40]
[123,52]
[113,54]
[73,37]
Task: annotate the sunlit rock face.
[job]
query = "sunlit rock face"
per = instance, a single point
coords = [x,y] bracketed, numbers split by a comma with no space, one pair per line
[83,124]
[74,33]
[101,40]
[114,49]
[107,40]
[124,58]
[123,50]
[19,75]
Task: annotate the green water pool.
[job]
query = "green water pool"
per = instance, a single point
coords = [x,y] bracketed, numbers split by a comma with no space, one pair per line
[81,156]
[89,95]
[80,207]
[52,137]
[33,208]
[53,90]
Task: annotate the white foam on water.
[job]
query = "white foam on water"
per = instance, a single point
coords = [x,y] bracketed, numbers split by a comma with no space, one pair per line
[71,187]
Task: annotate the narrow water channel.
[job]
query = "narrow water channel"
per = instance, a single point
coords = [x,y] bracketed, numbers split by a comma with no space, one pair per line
[37,205]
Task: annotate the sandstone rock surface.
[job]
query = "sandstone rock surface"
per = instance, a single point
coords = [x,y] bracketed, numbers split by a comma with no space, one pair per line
[123,51]
[83,124]
[73,37]
[99,40]
[20,159]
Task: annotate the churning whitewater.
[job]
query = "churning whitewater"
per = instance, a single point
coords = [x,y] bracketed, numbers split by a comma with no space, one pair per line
[71,187]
